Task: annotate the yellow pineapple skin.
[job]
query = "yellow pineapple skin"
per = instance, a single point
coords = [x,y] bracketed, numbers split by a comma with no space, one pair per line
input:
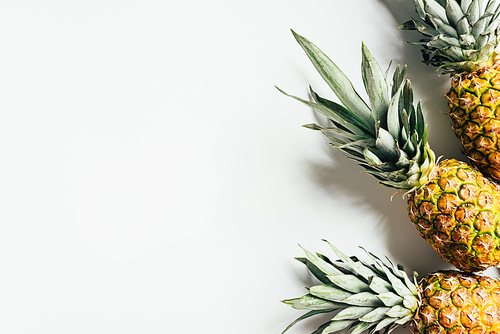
[458,303]
[458,211]
[473,105]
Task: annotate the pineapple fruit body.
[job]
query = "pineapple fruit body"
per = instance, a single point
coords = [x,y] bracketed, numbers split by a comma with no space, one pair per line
[378,296]
[458,303]
[472,105]
[457,212]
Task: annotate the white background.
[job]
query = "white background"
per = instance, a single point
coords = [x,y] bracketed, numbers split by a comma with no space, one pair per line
[153,180]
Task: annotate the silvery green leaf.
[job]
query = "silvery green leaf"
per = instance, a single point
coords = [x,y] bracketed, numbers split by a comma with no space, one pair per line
[451,52]
[491,6]
[337,325]
[343,113]
[357,267]
[379,285]
[326,112]
[480,25]
[398,312]
[329,292]
[363,299]
[310,302]
[410,302]
[337,132]
[352,313]
[375,315]
[305,316]
[473,13]
[419,8]
[398,78]
[387,145]
[465,5]
[405,319]
[371,158]
[436,10]
[426,29]
[318,273]
[420,122]
[408,25]
[393,113]
[338,82]
[409,284]
[396,283]
[443,28]
[361,327]
[384,323]
[463,26]
[375,83]
[453,12]
[486,52]
[442,41]
[350,283]
[390,299]
[481,41]
[321,264]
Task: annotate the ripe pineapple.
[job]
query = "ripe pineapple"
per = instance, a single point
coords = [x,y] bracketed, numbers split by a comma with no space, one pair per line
[453,206]
[461,38]
[379,296]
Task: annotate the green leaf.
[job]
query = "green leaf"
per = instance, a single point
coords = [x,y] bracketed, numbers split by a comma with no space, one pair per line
[435,9]
[329,292]
[352,313]
[390,299]
[326,112]
[310,302]
[387,145]
[379,285]
[480,25]
[305,316]
[465,5]
[338,82]
[393,114]
[365,272]
[361,327]
[363,299]
[410,302]
[321,264]
[318,273]
[474,12]
[371,158]
[463,26]
[420,122]
[337,325]
[350,283]
[344,114]
[384,323]
[454,13]
[398,312]
[376,315]
[375,83]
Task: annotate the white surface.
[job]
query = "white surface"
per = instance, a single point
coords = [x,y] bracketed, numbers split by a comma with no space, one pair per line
[154,180]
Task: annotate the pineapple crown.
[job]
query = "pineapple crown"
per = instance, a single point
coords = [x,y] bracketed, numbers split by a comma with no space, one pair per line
[375,296]
[389,137]
[459,36]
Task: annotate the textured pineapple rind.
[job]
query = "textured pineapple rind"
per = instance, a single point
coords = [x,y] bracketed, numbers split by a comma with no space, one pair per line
[457,212]
[473,102]
[458,303]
